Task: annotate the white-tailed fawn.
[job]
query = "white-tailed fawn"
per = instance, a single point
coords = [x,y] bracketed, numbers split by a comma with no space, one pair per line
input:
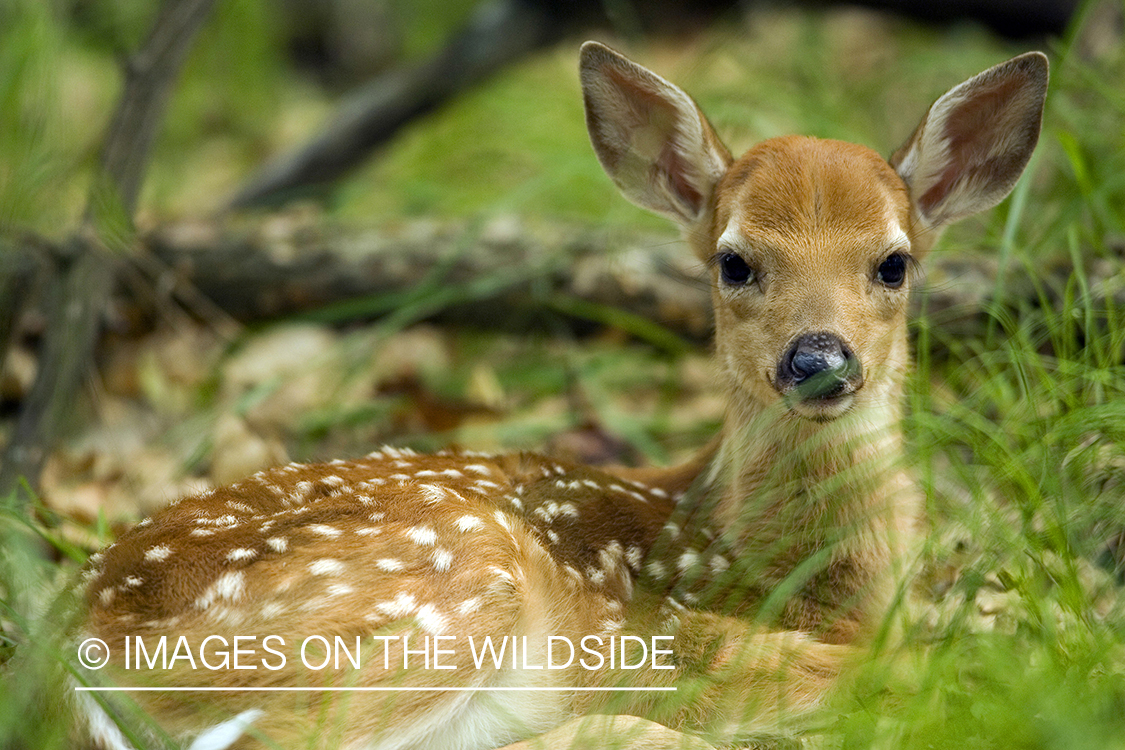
[463,600]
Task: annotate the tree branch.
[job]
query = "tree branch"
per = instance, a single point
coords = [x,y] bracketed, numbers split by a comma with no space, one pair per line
[80,289]
[498,33]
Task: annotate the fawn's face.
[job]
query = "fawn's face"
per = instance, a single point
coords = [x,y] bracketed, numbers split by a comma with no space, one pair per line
[811,264]
[811,242]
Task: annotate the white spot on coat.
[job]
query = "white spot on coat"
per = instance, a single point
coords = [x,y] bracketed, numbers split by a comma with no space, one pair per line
[271,610]
[469,523]
[430,619]
[502,519]
[422,535]
[229,586]
[442,559]
[339,589]
[326,566]
[401,606]
[688,560]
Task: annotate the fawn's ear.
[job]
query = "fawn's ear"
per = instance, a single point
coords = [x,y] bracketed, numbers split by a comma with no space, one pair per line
[975,141]
[649,136]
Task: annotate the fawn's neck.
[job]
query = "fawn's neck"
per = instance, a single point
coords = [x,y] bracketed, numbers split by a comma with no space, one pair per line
[829,503]
[775,468]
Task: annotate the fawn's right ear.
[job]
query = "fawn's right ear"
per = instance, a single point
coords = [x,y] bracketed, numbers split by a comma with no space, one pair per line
[649,136]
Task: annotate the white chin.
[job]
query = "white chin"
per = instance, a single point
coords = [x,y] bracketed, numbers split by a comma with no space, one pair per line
[823,409]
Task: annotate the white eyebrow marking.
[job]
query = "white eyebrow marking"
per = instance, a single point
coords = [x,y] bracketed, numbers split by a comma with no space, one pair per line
[897,238]
[732,237]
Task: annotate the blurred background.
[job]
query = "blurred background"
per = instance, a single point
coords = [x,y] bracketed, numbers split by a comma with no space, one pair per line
[494,123]
[329,174]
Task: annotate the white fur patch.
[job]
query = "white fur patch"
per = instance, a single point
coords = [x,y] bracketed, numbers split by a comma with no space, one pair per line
[422,535]
[326,566]
[159,553]
[469,523]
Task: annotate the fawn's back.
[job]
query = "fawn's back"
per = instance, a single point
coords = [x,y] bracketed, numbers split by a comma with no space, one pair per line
[746,578]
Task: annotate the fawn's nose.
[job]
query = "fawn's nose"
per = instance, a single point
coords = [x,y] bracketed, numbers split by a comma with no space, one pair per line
[819,366]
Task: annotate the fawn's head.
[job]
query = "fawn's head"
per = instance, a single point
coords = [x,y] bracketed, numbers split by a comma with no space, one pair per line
[812,243]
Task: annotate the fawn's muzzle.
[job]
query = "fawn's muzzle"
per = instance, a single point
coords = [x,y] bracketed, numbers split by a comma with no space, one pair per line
[819,366]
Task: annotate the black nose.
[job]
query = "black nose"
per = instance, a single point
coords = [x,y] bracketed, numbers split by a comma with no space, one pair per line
[819,365]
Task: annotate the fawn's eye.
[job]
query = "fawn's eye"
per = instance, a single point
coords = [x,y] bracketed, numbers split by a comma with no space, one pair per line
[892,271]
[734,269]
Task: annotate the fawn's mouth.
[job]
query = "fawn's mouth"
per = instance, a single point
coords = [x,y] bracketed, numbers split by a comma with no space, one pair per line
[823,397]
[822,409]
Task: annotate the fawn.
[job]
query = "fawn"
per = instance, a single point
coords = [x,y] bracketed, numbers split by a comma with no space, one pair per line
[747,579]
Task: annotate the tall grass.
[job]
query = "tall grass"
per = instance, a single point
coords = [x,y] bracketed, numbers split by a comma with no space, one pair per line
[1020,437]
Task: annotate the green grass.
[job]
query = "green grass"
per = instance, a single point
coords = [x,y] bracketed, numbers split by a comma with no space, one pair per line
[1018,434]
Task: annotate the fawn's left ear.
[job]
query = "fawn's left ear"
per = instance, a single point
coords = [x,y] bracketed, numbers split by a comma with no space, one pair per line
[649,136]
[975,141]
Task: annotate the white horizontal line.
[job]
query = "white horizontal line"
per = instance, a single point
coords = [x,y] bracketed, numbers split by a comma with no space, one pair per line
[430,689]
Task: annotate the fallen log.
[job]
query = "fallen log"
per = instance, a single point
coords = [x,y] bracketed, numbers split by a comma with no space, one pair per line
[498,275]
